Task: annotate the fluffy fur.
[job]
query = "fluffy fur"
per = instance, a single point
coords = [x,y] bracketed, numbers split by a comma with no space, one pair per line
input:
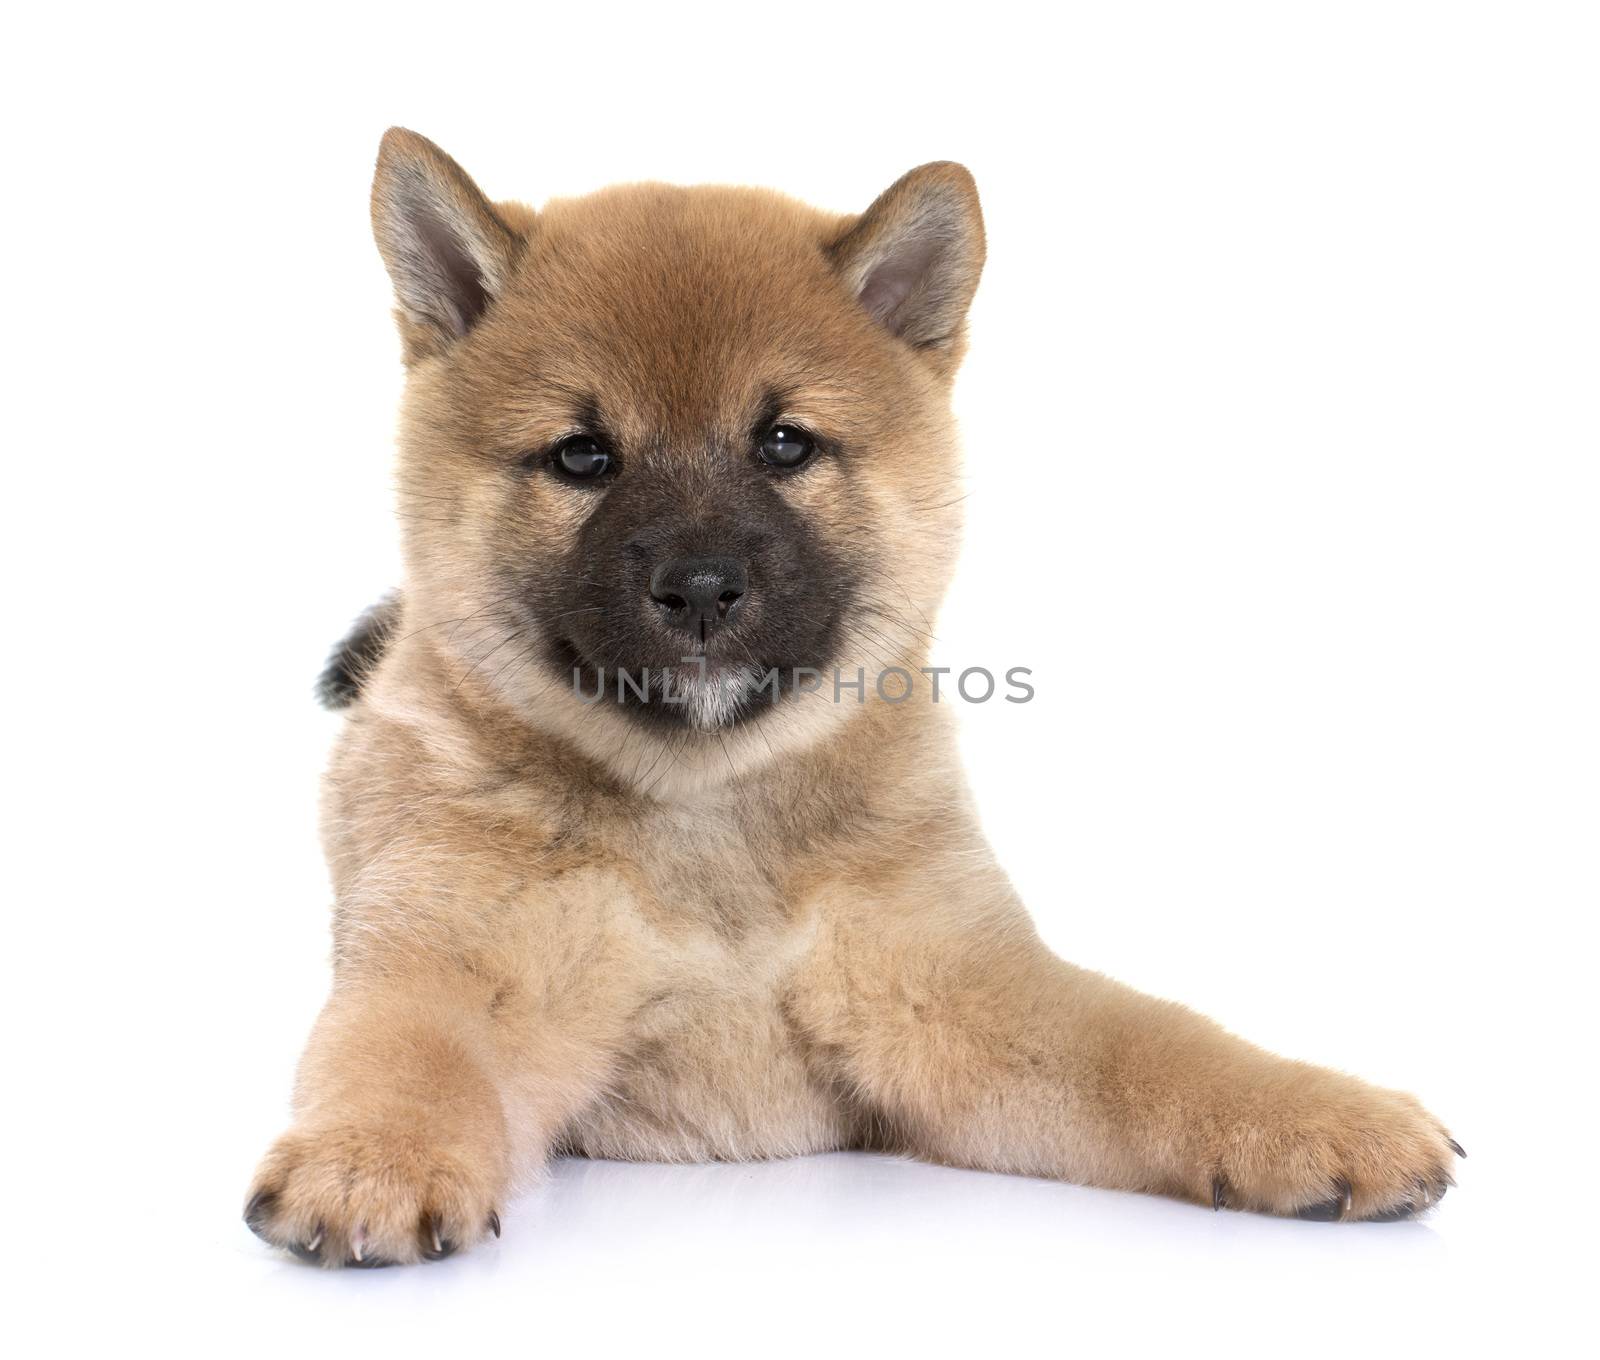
[754,933]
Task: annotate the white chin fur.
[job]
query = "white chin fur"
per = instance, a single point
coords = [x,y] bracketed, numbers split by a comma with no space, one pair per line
[710,702]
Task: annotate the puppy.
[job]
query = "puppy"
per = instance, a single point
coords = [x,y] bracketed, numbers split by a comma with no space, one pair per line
[613,876]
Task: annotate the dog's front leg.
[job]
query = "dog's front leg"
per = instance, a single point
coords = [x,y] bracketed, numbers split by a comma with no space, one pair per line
[399,1149]
[457,1045]
[975,1046]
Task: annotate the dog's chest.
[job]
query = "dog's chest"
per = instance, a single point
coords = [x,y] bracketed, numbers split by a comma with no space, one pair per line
[714,1068]
[706,878]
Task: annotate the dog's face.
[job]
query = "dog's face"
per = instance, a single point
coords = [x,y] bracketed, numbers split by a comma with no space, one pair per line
[685,450]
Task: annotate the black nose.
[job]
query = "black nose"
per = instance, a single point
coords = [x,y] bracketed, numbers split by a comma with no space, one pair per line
[697,594]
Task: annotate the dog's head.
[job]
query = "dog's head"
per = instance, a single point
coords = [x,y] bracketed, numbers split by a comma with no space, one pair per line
[686,449]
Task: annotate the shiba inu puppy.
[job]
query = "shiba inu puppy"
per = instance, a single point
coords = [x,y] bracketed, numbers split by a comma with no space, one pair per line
[610,881]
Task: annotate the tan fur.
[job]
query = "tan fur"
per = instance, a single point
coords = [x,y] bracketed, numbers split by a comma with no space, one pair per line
[558,931]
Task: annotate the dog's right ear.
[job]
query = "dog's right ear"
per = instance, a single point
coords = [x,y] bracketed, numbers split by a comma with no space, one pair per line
[447,250]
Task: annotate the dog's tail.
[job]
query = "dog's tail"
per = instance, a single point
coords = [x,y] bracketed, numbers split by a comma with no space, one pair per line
[357,654]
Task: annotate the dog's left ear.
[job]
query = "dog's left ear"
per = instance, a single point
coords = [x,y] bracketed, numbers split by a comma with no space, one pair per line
[913,258]
[448,252]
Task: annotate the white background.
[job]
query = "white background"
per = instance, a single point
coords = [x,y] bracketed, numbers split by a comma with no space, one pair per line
[1282,427]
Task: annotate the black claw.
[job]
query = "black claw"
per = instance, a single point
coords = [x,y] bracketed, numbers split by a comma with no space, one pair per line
[1219,1195]
[257,1211]
[1456,1148]
[494,1223]
[1330,1210]
[435,1245]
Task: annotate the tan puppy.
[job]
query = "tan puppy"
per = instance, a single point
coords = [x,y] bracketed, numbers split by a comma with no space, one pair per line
[724,910]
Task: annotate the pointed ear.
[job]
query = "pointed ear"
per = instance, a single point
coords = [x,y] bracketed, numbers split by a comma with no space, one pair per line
[447,250]
[913,258]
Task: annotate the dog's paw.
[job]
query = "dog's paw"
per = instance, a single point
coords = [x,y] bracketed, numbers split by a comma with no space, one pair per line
[377,1194]
[1330,1149]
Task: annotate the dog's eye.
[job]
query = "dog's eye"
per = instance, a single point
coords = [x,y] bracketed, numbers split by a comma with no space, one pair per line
[786,446]
[581,458]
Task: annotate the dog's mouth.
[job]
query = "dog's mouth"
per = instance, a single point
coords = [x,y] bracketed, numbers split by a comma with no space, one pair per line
[697,691]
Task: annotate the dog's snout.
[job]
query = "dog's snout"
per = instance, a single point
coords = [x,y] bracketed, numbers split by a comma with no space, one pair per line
[698,594]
